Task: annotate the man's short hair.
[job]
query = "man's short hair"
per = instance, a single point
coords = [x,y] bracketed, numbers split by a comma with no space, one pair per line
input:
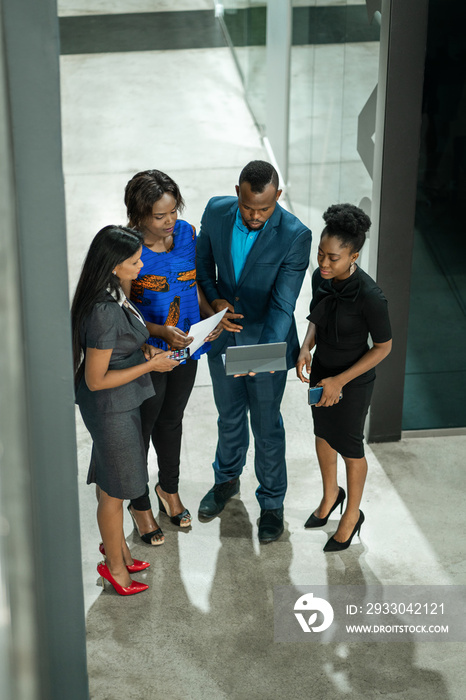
[259,174]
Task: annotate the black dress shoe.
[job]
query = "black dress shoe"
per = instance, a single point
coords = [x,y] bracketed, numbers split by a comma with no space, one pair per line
[215,500]
[270,525]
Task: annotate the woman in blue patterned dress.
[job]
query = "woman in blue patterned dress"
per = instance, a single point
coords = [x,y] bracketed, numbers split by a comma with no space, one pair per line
[167,296]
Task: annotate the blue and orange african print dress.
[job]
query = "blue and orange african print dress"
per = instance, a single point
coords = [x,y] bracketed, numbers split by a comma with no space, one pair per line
[165,291]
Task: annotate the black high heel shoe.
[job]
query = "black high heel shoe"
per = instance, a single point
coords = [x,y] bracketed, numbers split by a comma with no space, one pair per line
[181,519]
[334,546]
[314,521]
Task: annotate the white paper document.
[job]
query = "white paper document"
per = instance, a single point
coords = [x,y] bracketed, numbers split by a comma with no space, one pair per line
[200,331]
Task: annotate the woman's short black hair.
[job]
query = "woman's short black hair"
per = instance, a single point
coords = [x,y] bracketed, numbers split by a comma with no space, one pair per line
[110,247]
[259,174]
[146,188]
[348,223]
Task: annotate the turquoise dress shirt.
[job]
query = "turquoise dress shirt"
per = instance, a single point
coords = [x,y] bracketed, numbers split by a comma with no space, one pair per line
[242,241]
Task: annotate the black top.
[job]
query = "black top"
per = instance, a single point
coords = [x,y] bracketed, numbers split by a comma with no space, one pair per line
[345,313]
[112,326]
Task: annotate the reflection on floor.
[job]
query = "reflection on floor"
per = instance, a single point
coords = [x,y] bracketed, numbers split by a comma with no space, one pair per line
[205,627]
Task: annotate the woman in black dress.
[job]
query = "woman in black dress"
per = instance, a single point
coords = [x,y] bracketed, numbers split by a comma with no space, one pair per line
[112,365]
[347,306]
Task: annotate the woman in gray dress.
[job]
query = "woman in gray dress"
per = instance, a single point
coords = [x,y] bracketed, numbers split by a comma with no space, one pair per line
[112,365]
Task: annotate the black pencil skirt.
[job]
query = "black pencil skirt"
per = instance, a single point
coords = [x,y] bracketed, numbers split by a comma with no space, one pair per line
[342,425]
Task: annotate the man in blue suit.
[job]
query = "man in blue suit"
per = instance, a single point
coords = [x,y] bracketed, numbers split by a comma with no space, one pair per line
[252,256]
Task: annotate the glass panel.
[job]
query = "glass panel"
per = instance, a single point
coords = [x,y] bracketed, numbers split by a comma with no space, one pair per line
[435,383]
[245,21]
[334,71]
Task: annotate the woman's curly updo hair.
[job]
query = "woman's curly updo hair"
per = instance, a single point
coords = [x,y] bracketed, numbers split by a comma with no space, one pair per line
[348,223]
[146,188]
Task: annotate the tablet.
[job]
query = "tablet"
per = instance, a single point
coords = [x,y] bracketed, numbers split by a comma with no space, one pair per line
[241,359]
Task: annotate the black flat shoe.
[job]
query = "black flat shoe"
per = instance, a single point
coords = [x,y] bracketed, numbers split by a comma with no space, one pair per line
[270,525]
[180,519]
[314,521]
[147,536]
[334,546]
[216,499]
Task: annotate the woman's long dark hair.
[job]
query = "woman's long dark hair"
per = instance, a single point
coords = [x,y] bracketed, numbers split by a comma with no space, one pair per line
[110,247]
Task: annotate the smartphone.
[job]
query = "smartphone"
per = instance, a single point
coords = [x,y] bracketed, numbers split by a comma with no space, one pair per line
[314,394]
[180,355]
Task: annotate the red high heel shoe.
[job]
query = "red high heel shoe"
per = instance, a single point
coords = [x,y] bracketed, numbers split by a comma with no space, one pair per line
[135,587]
[133,568]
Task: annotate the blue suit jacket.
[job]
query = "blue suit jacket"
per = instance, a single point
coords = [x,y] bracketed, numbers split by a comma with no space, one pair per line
[271,279]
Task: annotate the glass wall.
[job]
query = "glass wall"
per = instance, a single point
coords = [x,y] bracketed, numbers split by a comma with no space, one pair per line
[334,67]
[334,71]
[333,78]
[435,385]
[245,22]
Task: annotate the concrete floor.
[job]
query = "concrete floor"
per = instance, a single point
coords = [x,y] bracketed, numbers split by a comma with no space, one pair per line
[205,627]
